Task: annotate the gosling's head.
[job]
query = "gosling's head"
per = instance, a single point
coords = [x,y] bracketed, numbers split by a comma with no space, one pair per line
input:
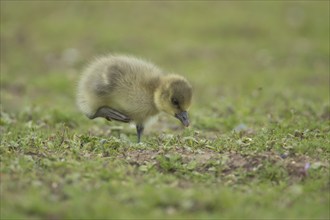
[173,96]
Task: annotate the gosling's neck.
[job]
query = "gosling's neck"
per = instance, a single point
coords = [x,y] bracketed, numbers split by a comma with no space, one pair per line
[159,92]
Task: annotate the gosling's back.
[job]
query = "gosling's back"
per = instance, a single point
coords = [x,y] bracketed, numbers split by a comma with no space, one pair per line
[126,84]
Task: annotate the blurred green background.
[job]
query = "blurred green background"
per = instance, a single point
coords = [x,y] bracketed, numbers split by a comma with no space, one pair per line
[257,67]
[225,48]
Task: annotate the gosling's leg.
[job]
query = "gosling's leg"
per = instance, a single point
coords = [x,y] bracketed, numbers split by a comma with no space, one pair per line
[110,114]
[139,129]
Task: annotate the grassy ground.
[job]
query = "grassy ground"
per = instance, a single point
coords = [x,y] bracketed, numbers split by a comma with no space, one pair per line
[258,146]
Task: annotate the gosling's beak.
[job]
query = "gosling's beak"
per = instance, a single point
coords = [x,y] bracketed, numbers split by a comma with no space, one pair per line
[183,117]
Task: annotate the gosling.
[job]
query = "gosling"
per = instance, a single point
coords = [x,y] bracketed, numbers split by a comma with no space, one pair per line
[128,89]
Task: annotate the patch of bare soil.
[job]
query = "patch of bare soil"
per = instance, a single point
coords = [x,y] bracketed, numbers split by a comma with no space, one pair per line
[209,161]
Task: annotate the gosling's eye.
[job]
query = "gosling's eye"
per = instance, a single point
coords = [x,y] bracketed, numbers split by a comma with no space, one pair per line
[175,101]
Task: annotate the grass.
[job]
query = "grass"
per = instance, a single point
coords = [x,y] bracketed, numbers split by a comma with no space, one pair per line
[258,146]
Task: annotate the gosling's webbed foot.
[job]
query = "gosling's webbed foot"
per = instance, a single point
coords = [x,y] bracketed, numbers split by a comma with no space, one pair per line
[110,114]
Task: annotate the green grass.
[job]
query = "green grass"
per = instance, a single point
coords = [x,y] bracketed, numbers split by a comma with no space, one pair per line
[259,142]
